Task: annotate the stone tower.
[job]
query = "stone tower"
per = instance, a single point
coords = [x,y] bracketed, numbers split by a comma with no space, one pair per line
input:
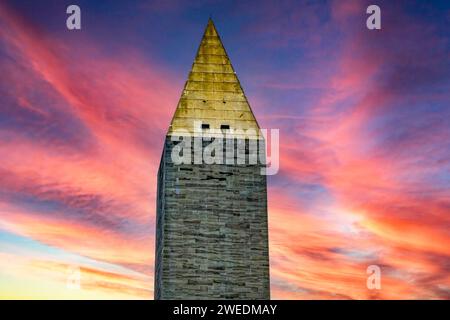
[211,232]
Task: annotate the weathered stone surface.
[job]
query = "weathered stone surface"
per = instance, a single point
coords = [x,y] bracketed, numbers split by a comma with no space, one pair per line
[212,239]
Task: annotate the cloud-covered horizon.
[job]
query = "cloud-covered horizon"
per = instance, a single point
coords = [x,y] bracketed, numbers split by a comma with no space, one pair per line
[364,119]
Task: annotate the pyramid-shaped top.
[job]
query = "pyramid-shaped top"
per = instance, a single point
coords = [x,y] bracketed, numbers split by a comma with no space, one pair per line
[212,95]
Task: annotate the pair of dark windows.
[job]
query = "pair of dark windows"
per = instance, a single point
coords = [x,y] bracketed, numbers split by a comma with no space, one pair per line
[222,127]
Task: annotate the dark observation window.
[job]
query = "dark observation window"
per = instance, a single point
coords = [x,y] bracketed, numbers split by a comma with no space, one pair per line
[205,126]
[225,127]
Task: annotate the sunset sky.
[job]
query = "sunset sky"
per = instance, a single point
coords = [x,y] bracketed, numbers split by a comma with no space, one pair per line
[364,119]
